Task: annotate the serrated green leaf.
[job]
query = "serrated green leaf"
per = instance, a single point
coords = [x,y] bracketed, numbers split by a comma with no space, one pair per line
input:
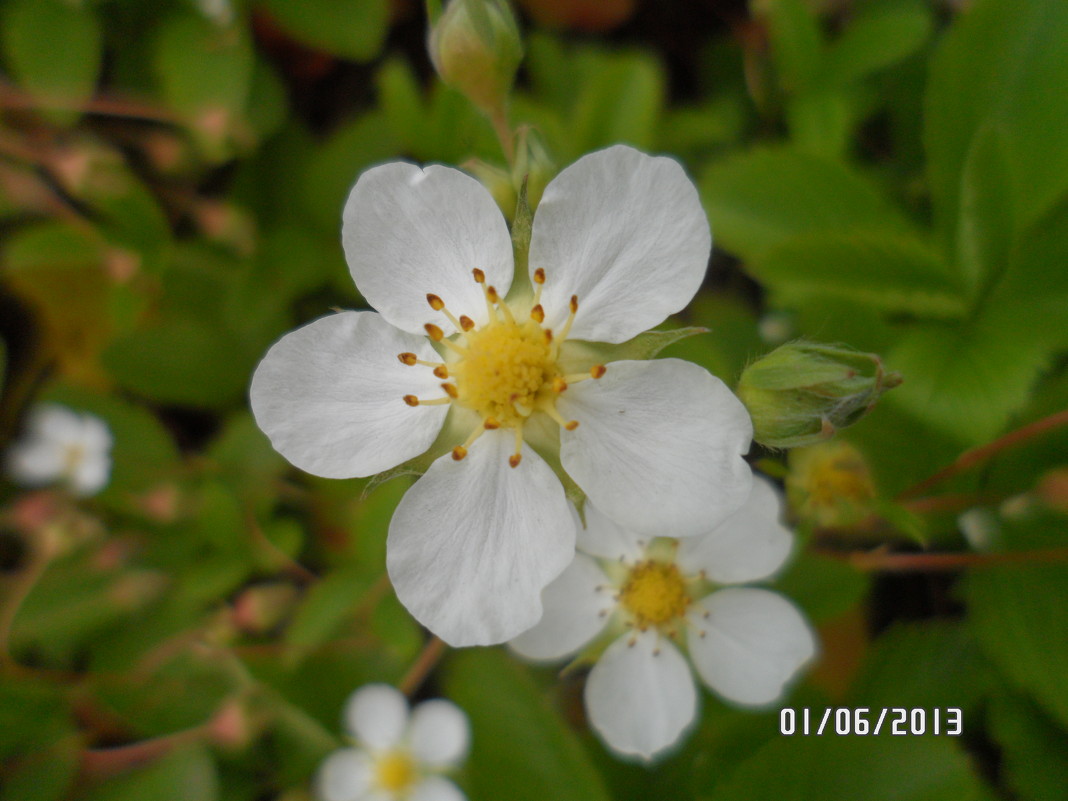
[1018,613]
[353,29]
[759,199]
[521,749]
[53,48]
[885,271]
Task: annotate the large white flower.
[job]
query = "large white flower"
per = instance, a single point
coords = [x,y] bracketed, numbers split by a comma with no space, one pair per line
[618,243]
[62,446]
[658,599]
[397,756]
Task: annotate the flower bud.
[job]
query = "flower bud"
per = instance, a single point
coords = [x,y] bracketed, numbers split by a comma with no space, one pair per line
[830,486]
[803,392]
[475,47]
[534,165]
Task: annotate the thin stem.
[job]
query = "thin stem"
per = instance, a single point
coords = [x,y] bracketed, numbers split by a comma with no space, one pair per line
[21,587]
[11,98]
[504,134]
[882,561]
[977,456]
[422,666]
[101,763]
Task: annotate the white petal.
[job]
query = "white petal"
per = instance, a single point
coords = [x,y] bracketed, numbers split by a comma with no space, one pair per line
[626,233]
[409,231]
[35,461]
[330,396]
[95,435]
[754,642]
[607,539]
[377,715]
[659,446]
[91,474]
[345,775]
[473,543]
[439,733]
[750,545]
[436,788]
[55,423]
[641,697]
[577,606]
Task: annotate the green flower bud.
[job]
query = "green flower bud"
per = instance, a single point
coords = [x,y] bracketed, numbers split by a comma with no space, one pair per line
[803,392]
[534,165]
[830,486]
[475,47]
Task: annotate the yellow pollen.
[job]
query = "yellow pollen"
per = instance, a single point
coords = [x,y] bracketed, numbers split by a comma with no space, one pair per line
[505,368]
[654,594]
[395,772]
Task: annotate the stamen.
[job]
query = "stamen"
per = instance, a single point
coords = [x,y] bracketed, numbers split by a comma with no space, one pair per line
[408,359]
[411,400]
[466,323]
[434,332]
[441,371]
[490,424]
[539,280]
[548,335]
[573,306]
[436,303]
[550,410]
[521,408]
[458,453]
[539,276]
[517,457]
[597,371]
[537,314]
[450,390]
[480,277]
[559,385]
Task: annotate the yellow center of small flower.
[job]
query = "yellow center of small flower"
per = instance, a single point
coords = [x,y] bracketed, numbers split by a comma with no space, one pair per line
[505,370]
[395,771]
[654,593]
[508,369]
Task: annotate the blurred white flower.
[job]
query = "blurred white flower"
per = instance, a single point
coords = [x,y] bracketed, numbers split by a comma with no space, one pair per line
[658,600]
[398,756]
[62,446]
[619,242]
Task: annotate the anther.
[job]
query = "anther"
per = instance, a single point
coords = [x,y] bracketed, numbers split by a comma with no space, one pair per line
[515,459]
[480,277]
[598,370]
[539,276]
[441,371]
[559,385]
[434,332]
[574,304]
[490,424]
[450,390]
[407,358]
[571,425]
[491,293]
[458,453]
[548,335]
[537,314]
[466,323]
[411,400]
[436,303]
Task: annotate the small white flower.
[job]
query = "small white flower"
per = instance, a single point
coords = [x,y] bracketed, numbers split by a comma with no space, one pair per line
[62,446]
[653,598]
[619,242]
[398,756]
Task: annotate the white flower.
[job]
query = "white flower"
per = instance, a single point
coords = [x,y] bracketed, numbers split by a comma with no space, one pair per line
[61,445]
[657,597]
[398,755]
[619,242]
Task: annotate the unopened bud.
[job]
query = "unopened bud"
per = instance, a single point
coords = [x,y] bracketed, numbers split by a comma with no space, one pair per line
[534,165]
[476,49]
[259,609]
[829,485]
[803,392]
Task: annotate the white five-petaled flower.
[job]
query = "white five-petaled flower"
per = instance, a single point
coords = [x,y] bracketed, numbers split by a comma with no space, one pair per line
[652,598]
[398,756]
[619,242]
[62,446]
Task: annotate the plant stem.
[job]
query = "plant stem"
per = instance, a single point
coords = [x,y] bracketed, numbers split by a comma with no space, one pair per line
[882,561]
[422,666]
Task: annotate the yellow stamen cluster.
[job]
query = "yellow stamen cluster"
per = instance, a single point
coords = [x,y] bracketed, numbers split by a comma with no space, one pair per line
[394,771]
[654,594]
[505,370]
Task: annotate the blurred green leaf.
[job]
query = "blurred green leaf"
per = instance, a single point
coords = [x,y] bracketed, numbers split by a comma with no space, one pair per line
[53,48]
[759,199]
[521,748]
[985,232]
[621,101]
[328,605]
[46,774]
[885,271]
[880,35]
[823,587]
[796,42]
[821,122]
[185,774]
[1034,751]
[832,768]
[1000,65]
[1018,613]
[351,29]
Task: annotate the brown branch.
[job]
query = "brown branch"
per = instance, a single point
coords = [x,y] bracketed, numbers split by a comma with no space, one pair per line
[102,763]
[12,98]
[881,561]
[422,666]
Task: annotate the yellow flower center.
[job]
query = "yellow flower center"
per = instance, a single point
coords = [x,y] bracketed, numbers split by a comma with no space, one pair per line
[505,370]
[395,771]
[654,593]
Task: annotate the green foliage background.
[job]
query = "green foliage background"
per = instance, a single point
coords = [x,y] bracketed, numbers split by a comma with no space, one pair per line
[891,174]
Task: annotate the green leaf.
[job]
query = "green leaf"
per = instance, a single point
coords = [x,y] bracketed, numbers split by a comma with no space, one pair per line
[759,199]
[1034,751]
[796,42]
[185,774]
[354,29]
[1001,64]
[885,271]
[620,102]
[881,35]
[326,607]
[1018,614]
[52,47]
[821,122]
[521,749]
[833,768]
[986,226]
[824,587]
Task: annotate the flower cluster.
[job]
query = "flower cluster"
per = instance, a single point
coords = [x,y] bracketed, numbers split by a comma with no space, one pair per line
[398,755]
[494,371]
[656,599]
[62,446]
